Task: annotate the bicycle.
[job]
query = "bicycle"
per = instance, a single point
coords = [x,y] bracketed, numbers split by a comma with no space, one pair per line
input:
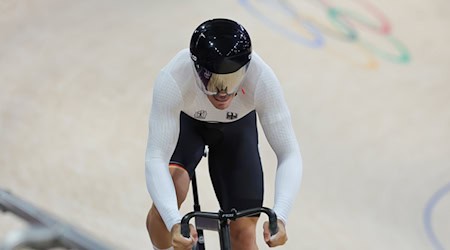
[219,221]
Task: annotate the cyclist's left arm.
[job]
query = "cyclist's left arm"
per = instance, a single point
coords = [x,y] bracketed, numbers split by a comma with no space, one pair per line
[276,122]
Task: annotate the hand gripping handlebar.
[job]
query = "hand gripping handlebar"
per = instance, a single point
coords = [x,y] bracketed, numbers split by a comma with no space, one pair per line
[232,215]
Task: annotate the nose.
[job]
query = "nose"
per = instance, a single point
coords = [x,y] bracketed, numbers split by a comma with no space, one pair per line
[221,96]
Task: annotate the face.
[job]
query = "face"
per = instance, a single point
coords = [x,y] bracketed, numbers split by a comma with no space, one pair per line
[221,100]
[220,88]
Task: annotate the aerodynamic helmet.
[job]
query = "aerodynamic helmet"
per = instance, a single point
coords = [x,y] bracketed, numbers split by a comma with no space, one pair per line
[221,51]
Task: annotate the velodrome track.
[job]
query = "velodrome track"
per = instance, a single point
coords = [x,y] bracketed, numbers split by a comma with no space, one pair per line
[367,83]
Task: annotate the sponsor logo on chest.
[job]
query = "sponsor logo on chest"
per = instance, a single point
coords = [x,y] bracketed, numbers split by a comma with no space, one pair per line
[202,114]
[231,115]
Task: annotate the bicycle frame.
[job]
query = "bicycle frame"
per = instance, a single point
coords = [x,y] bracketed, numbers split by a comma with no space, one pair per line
[221,220]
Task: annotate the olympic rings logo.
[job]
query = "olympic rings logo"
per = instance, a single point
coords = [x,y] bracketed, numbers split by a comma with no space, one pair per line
[344,25]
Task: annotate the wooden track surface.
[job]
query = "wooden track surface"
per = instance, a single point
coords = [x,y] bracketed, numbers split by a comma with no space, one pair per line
[371,113]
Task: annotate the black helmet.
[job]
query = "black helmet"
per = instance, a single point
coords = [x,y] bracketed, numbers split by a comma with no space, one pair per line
[220,47]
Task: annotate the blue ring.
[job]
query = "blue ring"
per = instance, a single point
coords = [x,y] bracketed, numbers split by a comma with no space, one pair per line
[428,212]
[317,42]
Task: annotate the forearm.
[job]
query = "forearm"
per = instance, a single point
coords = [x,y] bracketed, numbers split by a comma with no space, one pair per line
[287,185]
[162,138]
[162,191]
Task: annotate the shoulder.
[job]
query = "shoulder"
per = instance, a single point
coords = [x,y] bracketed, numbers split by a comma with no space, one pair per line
[176,81]
[260,75]
[259,72]
[257,64]
[267,90]
[180,65]
[178,71]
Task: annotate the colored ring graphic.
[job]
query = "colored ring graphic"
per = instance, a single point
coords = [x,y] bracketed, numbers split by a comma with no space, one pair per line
[403,55]
[428,212]
[317,41]
[384,28]
[340,31]
[343,26]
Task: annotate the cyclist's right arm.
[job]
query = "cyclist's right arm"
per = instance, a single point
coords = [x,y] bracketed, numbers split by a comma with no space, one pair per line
[162,139]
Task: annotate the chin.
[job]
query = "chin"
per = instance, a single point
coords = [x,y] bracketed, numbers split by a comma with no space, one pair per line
[221,106]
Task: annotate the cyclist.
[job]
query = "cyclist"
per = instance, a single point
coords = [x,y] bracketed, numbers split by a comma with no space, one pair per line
[212,94]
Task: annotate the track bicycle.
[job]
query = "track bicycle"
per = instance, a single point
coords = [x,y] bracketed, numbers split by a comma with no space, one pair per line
[219,221]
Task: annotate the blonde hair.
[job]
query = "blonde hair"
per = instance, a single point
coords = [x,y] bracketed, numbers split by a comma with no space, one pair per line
[226,82]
